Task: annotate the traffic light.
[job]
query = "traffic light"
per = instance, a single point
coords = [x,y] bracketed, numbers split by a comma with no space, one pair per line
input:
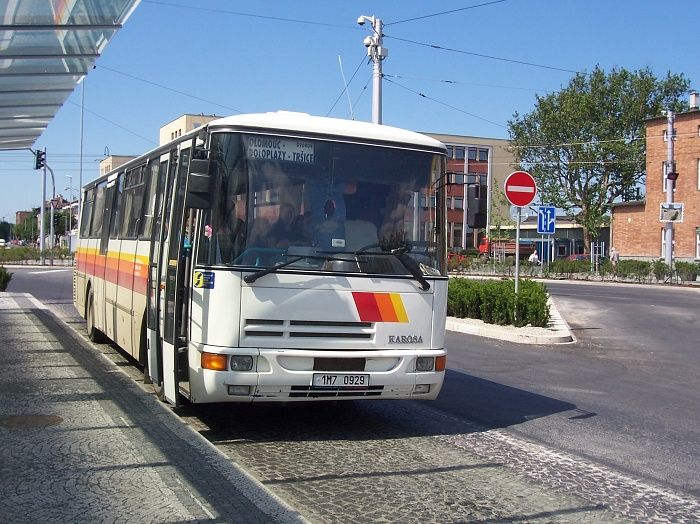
[40,159]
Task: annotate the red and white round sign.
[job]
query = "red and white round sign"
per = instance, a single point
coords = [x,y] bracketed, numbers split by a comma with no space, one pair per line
[520,188]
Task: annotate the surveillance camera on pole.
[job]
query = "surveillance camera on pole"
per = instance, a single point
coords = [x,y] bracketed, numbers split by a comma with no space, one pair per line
[377,53]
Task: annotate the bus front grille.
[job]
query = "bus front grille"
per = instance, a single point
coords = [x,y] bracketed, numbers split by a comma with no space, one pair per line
[310,329]
[313,392]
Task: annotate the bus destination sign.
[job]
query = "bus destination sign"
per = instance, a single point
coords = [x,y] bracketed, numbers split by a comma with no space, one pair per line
[274,148]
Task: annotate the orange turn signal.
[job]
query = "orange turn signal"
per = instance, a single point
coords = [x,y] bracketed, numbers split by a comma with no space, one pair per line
[440,363]
[214,361]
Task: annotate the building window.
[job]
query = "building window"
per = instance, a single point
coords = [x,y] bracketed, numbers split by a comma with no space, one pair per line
[698,174]
[472,153]
[456,235]
[697,242]
[459,153]
[459,179]
[458,203]
[483,155]
[666,134]
[450,152]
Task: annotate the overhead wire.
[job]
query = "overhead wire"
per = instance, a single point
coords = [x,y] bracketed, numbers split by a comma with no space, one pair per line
[199,8]
[445,12]
[113,123]
[423,95]
[347,86]
[190,95]
[459,82]
[481,55]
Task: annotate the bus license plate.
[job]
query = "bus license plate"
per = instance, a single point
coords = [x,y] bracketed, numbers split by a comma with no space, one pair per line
[334,380]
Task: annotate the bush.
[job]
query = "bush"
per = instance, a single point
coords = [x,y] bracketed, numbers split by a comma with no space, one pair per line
[493,301]
[687,271]
[636,269]
[660,269]
[5,277]
[532,307]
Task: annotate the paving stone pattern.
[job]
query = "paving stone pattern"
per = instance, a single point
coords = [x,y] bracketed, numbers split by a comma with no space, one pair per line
[399,462]
[386,462]
[81,442]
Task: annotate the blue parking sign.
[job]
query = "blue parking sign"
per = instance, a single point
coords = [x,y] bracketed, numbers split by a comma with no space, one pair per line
[546,220]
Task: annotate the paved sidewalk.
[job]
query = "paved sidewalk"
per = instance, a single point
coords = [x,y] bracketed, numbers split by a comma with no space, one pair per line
[81,442]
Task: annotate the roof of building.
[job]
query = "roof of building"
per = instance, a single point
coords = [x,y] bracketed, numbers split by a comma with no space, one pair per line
[46,48]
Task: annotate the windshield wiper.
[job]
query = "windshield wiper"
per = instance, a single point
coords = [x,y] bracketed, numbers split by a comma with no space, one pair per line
[412,266]
[249,279]
[400,254]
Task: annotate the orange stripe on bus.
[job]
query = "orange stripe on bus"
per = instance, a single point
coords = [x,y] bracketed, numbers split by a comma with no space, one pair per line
[380,307]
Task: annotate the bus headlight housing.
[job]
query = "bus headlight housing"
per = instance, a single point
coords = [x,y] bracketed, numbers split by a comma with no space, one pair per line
[241,362]
[425,363]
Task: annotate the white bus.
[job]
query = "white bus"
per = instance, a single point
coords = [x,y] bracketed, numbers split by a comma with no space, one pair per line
[273,257]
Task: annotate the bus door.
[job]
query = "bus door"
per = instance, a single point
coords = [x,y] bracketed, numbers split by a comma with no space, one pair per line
[158,195]
[173,278]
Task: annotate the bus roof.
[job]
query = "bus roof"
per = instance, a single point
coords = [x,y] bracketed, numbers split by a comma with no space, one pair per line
[305,123]
[287,121]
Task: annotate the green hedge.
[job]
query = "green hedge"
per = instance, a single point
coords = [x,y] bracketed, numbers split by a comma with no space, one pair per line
[494,302]
[22,253]
[5,277]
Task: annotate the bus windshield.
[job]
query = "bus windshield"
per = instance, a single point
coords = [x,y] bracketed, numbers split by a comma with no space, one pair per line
[320,205]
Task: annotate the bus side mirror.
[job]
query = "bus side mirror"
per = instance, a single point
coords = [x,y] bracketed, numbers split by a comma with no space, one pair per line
[199,181]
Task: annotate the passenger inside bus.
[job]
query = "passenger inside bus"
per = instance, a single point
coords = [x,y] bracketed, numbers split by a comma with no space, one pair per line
[230,235]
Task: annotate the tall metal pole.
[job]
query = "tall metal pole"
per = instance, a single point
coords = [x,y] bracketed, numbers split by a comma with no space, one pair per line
[670,184]
[53,203]
[377,79]
[377,53]
[42,236]
[80,176]
[517,250]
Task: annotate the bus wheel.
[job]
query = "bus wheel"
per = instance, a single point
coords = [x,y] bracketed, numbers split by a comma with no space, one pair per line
[94,334]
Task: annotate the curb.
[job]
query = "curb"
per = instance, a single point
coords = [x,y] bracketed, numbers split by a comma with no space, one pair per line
[557,332]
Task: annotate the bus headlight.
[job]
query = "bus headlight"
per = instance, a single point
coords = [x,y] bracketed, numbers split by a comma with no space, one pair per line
[241,362]
[425,364]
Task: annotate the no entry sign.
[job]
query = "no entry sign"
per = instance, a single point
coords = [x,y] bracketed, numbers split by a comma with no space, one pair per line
[520,188]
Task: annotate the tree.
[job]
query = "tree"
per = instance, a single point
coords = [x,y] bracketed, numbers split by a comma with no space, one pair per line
[585,144]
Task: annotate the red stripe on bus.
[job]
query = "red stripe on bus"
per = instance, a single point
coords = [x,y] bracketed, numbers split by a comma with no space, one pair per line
[367,306]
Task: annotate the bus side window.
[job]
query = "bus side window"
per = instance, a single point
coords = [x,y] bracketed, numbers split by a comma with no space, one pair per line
[150,199]
[116,212]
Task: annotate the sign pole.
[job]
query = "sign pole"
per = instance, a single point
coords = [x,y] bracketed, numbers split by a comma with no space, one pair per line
[520,190]
[517,253]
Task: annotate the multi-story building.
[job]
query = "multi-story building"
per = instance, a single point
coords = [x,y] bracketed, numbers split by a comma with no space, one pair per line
[637,230]
[478,167]
[183,124]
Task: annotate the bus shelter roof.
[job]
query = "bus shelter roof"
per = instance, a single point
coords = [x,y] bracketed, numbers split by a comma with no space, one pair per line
[46,48]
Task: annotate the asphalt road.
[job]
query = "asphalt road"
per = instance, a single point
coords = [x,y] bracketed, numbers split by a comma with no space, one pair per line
[626,393]
[612,419]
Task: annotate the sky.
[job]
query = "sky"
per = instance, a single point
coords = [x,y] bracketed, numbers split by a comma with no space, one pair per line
[454,67]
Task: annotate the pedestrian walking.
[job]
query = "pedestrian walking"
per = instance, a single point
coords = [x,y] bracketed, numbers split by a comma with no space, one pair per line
[534,259]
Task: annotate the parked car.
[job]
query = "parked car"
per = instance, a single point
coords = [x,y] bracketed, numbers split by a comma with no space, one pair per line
[2,243]
[581,256]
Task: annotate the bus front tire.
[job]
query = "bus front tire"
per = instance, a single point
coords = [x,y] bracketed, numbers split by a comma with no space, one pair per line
[94,334]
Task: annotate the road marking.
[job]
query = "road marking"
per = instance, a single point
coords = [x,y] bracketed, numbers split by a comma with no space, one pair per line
[48,271]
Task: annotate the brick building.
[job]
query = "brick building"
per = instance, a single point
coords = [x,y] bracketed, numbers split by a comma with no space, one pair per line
[636,231]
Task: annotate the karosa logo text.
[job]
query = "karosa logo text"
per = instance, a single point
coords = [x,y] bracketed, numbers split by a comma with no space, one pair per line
[405,339]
